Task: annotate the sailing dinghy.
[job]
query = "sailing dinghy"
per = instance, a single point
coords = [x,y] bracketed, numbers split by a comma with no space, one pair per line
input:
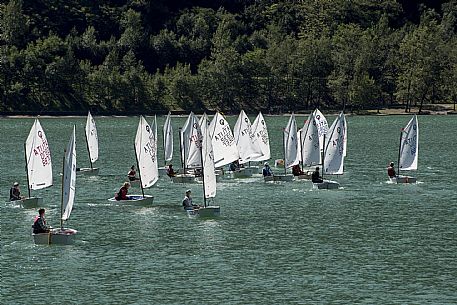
[310,153]
[408,151]
[290,146]
[187,149]
[37,163]
[146,158]
[208,177]
[92,146]
[64,236]
[334,153]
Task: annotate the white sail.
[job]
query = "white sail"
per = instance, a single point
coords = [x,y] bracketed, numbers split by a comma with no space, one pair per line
[224,145]
[246,142]
[208,166]
[185,132]
[260,131]
[38,158]
[154,129]
[310,146]
[409,145]
[91,138]
[322,126]
[291,143]
[345,146]
[145,149]
[69,177]
[194,142]
[168,138]
[334,147]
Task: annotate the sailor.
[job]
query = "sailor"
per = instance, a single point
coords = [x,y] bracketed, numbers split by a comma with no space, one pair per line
[39,225]
[391,170]
[296,170]
[266,171]
[15,192]
[122,194]
[187,201]
[170,171]
[316,177]
[132,174]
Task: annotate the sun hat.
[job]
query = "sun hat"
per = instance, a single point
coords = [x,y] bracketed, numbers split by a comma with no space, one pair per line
[16,184]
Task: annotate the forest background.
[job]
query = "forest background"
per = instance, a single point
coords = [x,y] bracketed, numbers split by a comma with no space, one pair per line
[138,56]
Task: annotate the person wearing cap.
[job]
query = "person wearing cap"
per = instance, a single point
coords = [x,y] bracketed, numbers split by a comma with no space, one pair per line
[122,194]
[266,171]
[187,201]
[39,224]
[391,170]
[15,192]
[170,171]
[316,176]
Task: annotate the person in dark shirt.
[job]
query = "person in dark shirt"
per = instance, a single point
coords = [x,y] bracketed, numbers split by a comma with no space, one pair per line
[316,176]
[39,225]
[15,192]
[122,194]
[391,170]
[170,171]
[187,202]
[266,171]
[132,174]
[296,170]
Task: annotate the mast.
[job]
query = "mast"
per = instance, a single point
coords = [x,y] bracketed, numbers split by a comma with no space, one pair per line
[26,168]
[203,172]
[399,151]
[138,167]
[63,177]
[301,144]
[284,150]
[163,142]
[88,150]
[323,156]
[180,149]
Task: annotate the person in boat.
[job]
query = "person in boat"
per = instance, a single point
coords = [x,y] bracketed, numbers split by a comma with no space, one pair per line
[187,201]
[170,171]
[15,192]
[198,172]
[39,224]
[391,170]
[122,194]
[132,174]
[234,166]
[296,170]
[316,176]
[266,171]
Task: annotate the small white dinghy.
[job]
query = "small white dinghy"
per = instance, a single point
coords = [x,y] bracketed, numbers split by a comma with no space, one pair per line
[243,172]
[92,147]
[408,151]
[146,158]
[278,178]
[208,179]
[334,153]
[310,153]
[38,165]
[64,236]
[183,178]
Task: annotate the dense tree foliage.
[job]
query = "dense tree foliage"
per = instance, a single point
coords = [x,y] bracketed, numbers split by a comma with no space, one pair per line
[153,56]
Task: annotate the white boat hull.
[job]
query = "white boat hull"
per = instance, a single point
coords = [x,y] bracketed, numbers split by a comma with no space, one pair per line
[29,203]
[327,185]
[200,179]
[306,176]
[241,173]
[205,212]
[136,200]
[183,178]
[88,171]
[64,236]
[278,178]
[403,179]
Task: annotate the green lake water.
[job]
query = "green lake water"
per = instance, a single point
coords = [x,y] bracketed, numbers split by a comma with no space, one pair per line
[370,242]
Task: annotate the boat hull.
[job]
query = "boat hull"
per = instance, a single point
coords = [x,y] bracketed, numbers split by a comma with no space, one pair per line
[30,203]
[136,200]
[200,179]
[205,212]
[278,178]
[183,179]
[63,236]
[241,173]
[88,171]
[306,176]
[326,185]
[403,179]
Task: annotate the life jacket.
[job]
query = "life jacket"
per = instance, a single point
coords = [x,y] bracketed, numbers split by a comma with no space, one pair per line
[121,194]
[391,172]
[36,227]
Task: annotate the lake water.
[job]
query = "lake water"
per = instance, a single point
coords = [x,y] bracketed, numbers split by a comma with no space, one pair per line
[368,243]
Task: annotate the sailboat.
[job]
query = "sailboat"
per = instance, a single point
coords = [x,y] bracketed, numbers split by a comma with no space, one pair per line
[408,151]
[260,132]
[188,150]
[92,146]
[310,153]
[146,158]
[247,145]
[208,176]
[64,236]
[290,146]
[37,163]
[334,152]
[222,140]
[167,141]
